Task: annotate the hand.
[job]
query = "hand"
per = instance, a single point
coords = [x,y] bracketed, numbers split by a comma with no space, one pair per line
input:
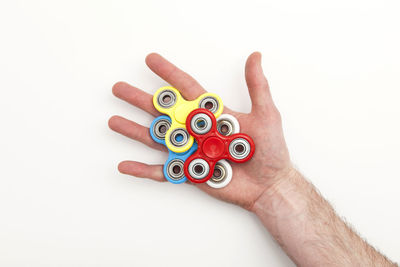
[270,163]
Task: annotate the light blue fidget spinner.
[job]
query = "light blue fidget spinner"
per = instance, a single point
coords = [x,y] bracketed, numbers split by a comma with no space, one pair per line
[173,167]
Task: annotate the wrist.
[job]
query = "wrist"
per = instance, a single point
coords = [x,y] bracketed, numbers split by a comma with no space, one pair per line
[282,188]
[283,208]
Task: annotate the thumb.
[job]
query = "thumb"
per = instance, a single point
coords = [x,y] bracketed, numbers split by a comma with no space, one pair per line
[257,83]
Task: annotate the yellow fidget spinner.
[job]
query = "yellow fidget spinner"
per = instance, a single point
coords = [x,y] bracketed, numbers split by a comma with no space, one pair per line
[169,101]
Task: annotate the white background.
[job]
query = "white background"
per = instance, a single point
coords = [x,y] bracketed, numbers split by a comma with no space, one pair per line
[334,72]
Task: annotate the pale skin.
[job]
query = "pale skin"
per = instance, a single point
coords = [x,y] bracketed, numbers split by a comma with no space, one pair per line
[302,222]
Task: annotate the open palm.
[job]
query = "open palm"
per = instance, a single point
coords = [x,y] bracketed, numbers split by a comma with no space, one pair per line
[250,179]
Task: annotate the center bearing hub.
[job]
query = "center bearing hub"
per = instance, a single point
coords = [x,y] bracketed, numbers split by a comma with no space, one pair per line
[213,147]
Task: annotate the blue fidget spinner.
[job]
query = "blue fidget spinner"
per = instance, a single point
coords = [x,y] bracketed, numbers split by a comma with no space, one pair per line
[173,167]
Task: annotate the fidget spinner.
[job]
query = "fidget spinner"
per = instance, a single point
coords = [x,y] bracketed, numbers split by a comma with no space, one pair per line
[173,167]
[213,146]
[169,101]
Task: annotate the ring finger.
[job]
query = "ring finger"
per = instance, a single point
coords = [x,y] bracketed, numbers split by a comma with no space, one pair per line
[134,131]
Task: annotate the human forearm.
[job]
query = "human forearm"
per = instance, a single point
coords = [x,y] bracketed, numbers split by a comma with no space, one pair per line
[308,229]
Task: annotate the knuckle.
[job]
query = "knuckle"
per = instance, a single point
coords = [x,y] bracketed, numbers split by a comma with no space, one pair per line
[276,115]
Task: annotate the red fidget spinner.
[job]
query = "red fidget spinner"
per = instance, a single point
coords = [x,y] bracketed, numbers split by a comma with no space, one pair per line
[213,146]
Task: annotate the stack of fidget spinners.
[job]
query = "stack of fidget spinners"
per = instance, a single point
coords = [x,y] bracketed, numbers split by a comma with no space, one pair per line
[198,143]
